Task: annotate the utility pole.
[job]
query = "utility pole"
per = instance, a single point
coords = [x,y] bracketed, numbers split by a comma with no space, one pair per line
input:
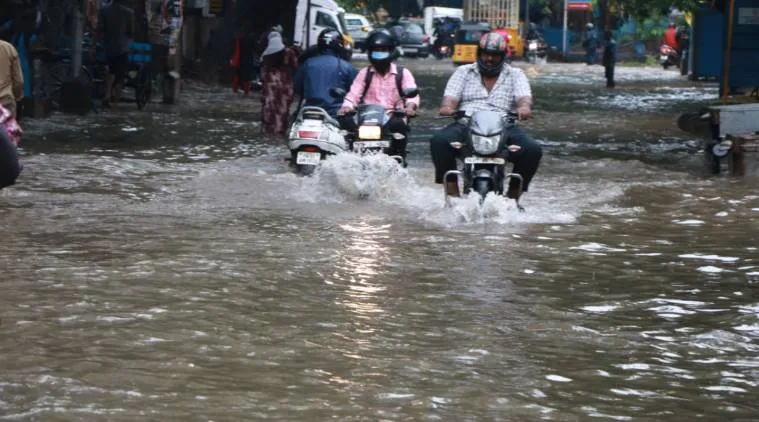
[564,32]
[77,30]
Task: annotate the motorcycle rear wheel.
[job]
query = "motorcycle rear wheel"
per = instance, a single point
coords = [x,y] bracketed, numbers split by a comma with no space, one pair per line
[305,169]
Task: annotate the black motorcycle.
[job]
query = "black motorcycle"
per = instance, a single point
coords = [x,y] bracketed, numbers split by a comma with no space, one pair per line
[371,136]
[443,47]
[484,153]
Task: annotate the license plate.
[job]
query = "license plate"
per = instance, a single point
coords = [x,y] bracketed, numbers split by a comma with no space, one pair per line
[308,158]
[533,46]
[664,58]
[410,50]
[370,132]
[484,160]
[359,145]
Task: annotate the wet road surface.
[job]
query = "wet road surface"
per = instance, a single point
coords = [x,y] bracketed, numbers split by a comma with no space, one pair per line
[169,266]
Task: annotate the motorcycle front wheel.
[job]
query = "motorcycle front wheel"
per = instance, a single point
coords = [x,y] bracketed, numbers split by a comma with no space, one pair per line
[482,187]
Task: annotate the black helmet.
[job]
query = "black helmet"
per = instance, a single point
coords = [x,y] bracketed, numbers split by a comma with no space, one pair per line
[491,43]
[381,39]
[331,39]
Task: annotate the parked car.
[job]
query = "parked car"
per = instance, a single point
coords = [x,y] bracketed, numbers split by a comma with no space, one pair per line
[359,28]
[413,41]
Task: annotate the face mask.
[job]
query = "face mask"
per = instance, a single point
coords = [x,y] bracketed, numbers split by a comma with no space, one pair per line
[380,55]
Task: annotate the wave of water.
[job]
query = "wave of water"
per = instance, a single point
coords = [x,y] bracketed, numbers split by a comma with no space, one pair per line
[378,180]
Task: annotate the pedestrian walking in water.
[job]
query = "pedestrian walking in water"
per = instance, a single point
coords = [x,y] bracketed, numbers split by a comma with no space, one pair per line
[11,78]
[609,58]
[277,73]
[242,61]
[590,44]
[116,27]
[10,167]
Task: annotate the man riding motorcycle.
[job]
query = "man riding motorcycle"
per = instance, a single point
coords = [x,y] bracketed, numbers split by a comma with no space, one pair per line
[382,84]
[319,74]
[489,84]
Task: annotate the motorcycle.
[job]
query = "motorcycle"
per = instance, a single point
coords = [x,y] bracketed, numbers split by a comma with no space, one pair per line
[668,56]
[536,49]
[371,135]
[484,153]
[313,136]
[443,48]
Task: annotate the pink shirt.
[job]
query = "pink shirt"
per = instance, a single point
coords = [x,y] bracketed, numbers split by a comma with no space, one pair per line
[382,90]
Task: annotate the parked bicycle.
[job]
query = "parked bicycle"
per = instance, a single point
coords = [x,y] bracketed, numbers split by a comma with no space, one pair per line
[139,76]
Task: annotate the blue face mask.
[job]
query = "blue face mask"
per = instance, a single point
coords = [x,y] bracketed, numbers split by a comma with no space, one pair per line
[380,55]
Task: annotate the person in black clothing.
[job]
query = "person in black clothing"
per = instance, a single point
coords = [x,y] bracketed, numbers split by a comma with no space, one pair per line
[609,58]
[116,27]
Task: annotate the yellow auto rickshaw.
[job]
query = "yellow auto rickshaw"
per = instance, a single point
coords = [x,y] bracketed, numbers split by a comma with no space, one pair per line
[467,38]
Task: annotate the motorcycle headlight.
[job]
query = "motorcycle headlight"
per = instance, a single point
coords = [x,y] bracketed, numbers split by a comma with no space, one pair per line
[485,145]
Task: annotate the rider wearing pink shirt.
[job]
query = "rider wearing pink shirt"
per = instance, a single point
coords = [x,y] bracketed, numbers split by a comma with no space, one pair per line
[383,87]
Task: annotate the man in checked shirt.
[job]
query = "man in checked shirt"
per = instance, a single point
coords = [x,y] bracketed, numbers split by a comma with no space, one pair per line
[492,85]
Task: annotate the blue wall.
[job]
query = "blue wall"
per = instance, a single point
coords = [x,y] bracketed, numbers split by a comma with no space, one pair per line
[707,43]
[743,71]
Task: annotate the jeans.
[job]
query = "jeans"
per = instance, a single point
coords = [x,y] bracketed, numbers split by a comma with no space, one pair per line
[609,73]
[526,161]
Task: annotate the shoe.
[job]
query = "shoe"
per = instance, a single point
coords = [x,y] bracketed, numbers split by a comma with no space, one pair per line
[452,189]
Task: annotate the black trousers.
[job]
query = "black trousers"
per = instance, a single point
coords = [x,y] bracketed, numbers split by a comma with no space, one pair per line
[526,161]
[609,72]
[10,167]
[396,124]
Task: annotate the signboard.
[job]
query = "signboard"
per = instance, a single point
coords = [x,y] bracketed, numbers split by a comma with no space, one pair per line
[579,5]
[748,16]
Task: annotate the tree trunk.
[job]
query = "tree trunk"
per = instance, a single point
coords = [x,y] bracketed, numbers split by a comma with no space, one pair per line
[603,8]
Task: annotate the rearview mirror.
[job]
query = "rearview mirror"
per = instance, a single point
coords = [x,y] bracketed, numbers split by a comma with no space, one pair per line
[337,92]
[410,93]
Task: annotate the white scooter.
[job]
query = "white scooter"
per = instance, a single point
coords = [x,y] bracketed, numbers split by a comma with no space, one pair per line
[313,136]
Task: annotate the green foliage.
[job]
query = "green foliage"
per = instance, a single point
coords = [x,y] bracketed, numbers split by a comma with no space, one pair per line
[645,9]
[651,28]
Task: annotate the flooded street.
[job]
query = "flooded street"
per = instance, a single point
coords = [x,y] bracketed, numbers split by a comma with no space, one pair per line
[168,266]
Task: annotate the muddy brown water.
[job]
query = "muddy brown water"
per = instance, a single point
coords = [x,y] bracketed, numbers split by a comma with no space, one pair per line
[168,266]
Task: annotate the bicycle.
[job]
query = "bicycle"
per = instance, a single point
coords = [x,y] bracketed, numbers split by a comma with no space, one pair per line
[57,69]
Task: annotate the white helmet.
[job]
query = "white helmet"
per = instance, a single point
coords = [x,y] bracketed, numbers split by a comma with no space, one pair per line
[589,25]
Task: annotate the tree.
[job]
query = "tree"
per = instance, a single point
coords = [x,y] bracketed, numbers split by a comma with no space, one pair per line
[643,9]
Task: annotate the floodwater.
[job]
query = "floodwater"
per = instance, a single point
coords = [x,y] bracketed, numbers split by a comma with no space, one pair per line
[168,266]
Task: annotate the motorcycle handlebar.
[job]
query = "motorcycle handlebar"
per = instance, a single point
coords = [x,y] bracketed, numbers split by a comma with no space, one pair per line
[460,114]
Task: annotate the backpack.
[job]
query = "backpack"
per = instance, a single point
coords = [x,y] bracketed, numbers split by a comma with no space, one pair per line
[398,83]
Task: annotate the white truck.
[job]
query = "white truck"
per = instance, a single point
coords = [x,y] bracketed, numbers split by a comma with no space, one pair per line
[313,16]
[434,12]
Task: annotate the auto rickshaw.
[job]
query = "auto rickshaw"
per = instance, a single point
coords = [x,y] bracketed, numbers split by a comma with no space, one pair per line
[466,42]
[514,40]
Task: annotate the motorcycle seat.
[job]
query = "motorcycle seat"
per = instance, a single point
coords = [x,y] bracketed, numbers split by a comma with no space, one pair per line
[318,113]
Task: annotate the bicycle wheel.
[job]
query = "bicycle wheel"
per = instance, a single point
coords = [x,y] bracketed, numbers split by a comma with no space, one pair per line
[53,75]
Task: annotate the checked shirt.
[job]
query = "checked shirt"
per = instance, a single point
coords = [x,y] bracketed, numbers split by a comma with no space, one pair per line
[466,86]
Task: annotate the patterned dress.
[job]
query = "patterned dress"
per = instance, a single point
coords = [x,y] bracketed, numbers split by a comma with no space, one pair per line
[277,94]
